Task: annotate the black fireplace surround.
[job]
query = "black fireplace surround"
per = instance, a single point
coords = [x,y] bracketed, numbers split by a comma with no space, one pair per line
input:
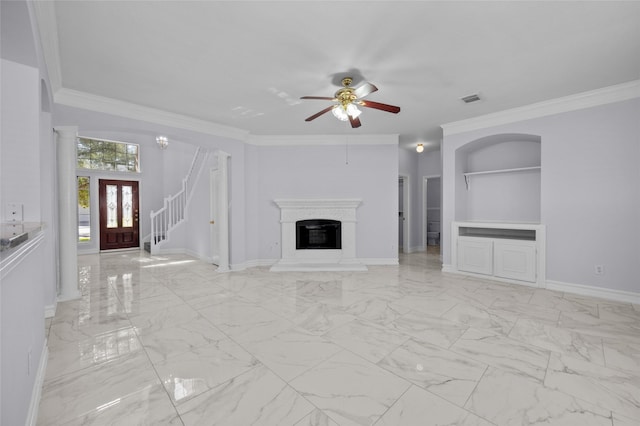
[316,234]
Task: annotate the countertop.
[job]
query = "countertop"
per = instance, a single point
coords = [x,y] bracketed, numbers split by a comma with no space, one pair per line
[13,234]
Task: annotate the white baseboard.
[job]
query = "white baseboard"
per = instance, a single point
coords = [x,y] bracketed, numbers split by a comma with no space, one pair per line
[379,261]
[261,262]
[88,251]
[493,278]
[448,268]
[50,310]
[416,249]
[603,293]
[36,393]
[192,253]
[173,251]
[580,289]
[270,262]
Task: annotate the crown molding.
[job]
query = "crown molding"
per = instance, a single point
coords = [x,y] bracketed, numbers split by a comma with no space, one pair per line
[47,28]
[592,98]
[77,99]
[310,140]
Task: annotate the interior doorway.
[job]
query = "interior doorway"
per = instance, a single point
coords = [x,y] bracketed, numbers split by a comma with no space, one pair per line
[119,209]
[431,213]
[219,212]
[403,213]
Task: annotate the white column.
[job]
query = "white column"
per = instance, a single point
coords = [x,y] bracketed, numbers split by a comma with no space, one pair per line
[223,214]
[67,212]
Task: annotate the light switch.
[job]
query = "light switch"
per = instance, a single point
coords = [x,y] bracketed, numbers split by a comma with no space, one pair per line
[14,212]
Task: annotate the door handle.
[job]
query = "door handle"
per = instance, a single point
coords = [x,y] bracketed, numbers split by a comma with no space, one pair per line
[212,222]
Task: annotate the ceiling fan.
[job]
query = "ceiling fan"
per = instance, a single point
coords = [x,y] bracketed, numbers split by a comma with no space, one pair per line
[348,99]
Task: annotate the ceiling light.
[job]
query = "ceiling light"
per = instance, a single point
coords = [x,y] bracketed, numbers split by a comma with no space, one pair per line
[420,147]
[162,141]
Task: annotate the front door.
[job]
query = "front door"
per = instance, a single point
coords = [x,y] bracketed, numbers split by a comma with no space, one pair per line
[118,214]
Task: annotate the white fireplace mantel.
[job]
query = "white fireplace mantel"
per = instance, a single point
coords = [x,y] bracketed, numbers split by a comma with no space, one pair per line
[341,209]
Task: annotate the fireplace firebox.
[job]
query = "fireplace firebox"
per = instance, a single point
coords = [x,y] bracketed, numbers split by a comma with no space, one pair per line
[316,234]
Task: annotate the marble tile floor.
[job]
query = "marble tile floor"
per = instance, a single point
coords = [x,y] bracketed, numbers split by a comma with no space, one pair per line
[165,340]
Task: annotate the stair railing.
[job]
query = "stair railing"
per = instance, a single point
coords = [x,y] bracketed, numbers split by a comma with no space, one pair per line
[175,206]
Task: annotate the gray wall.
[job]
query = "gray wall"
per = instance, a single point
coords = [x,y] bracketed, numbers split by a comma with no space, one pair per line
[507,197]
[590,191]
[331,170]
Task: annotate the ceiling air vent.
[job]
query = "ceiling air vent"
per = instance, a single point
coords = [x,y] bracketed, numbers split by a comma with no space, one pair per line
[470,98]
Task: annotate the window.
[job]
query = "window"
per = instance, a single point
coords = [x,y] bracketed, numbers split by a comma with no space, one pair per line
[84,212]
[98,154]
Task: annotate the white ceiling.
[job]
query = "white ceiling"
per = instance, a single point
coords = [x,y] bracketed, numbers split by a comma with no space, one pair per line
[246,64]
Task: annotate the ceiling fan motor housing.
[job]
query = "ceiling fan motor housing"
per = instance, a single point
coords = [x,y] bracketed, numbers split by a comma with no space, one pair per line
[345,95]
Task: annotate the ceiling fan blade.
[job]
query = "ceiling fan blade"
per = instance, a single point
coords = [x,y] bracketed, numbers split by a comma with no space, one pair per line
[355,122]
[378,105]
[364,89]
[318,114]
[323,98]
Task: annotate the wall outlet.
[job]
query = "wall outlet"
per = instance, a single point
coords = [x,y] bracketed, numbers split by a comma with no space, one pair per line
[599,269]
[14,212]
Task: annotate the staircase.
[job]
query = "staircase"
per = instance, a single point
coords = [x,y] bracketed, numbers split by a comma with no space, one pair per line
[174,210]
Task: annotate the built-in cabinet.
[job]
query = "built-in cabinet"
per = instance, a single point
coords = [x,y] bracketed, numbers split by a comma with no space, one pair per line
[512,252]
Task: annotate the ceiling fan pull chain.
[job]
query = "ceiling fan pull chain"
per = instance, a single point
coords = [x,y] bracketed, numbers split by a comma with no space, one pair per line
[346,148]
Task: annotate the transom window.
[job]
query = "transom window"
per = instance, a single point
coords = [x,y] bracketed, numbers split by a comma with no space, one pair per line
[96,154]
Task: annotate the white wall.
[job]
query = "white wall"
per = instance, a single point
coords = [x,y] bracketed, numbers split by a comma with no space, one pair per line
[506,197]
[21,139]
[590,192]
[27,165]
[367,171]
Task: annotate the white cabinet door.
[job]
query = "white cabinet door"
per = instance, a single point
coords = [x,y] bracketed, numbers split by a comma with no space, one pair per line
[515,260]
[475,255]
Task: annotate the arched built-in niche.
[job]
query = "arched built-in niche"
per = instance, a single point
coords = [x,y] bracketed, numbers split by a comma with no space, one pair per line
[498,179]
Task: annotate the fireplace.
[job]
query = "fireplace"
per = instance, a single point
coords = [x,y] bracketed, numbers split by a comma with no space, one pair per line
[318,235]
[321,234]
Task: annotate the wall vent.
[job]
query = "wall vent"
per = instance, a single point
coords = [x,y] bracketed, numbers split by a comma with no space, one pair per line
[470,98]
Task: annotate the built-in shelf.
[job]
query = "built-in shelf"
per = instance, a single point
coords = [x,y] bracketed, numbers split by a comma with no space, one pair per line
[510,252]
[467,176]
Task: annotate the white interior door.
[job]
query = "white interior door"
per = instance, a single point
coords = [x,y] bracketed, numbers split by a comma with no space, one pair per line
[404,216]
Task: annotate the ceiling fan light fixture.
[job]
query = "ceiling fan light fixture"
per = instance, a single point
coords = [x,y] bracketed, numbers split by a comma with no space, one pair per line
[420,147]
[342,112]
[339,113]
[347,101]
[353,111]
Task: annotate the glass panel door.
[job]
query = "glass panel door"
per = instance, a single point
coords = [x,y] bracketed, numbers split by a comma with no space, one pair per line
[119,227]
